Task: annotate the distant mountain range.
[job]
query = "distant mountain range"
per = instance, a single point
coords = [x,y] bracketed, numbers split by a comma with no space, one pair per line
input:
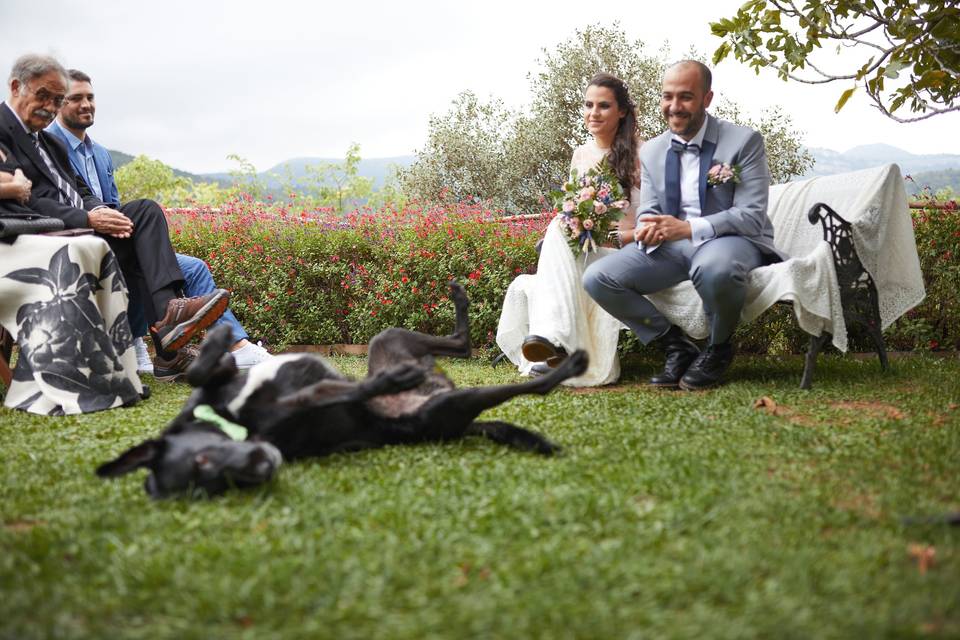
[936,170]
[296,168]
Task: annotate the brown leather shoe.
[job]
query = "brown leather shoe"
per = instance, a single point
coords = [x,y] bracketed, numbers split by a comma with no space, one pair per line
[186,317]
[175,369]
[539,349]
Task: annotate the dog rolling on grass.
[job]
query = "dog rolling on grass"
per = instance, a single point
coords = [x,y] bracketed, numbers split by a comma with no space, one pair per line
[236,429]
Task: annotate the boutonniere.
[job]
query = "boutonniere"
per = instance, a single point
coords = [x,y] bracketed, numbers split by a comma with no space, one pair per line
[722,173]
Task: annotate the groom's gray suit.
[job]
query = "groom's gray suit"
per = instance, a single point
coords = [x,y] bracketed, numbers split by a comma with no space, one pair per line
[718,267]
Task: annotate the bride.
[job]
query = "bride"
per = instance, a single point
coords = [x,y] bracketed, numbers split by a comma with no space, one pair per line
[547,315]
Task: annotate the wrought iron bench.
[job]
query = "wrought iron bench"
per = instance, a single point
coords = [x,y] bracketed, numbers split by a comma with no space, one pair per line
[858,293]
[859,269]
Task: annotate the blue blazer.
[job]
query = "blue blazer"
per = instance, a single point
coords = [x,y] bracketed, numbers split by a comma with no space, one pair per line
[101,159]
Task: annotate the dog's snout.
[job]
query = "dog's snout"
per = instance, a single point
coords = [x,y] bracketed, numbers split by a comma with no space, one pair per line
[263,460]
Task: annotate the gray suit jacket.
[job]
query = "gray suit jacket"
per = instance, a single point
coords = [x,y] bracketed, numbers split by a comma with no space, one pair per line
[739,209]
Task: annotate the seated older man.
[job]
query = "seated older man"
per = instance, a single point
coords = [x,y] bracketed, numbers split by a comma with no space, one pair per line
[136,232]
[93,164]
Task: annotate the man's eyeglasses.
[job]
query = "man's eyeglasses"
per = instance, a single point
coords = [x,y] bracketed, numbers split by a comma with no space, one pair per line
[45,96]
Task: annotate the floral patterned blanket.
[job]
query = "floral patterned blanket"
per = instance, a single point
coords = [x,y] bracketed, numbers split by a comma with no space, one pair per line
[65,300]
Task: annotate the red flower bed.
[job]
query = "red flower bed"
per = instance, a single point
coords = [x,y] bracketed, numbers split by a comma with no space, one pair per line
[309,277]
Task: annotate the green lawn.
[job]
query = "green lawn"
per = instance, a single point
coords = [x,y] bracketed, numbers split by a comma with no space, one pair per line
[669,515]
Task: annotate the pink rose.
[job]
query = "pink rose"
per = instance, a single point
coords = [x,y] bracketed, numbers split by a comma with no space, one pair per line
[569,205]
[586,193]
[588,224]
[714,171]
[603,193]
[621,204]
[599,208]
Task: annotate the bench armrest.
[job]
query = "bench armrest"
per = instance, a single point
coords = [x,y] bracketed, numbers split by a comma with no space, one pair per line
[858,292]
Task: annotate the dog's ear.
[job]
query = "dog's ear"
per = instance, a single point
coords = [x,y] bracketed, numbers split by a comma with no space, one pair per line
[132,459]
[214,366]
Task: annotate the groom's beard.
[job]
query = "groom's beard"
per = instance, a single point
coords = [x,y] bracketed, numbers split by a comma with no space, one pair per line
[694,121]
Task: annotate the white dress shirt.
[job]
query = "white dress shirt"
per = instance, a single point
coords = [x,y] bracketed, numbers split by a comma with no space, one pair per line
[700,228]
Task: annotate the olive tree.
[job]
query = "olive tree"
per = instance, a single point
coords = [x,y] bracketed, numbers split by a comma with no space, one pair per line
[512,157]
[899,51]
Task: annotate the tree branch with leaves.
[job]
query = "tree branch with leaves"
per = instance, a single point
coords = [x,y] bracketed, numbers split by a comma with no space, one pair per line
[909,51]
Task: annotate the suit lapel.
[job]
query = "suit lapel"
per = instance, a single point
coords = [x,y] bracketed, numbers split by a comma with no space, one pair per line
[25,142]
[57,155]
[706,159]
[101,174]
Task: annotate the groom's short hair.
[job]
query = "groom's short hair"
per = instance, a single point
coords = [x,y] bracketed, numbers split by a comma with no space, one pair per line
[705,74]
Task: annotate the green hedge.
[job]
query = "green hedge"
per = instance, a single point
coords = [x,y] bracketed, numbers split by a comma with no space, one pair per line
[934,324]
[305,278]
[309,278]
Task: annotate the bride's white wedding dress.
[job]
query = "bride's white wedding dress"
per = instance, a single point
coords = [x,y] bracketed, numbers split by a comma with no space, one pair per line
[552,303]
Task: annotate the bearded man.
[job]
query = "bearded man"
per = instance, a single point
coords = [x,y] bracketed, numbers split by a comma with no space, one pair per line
[702,217]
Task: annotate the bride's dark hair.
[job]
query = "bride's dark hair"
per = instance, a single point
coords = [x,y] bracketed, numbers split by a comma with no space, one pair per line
[623,151]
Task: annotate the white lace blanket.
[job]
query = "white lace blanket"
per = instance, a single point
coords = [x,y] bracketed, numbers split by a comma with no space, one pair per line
[875,203]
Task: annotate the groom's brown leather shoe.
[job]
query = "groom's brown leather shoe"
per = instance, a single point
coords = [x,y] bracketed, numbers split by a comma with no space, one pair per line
[539,349]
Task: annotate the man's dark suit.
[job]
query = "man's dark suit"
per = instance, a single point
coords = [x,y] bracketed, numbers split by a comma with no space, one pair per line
[146,258]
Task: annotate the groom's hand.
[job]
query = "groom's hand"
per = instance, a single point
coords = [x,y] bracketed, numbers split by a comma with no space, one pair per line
[653,229]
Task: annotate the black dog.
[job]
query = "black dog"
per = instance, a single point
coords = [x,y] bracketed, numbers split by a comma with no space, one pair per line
[297,406]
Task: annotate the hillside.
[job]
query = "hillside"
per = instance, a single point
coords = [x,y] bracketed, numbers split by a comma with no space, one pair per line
[936,170]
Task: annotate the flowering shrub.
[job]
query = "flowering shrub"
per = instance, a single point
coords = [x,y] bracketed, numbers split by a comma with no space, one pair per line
[935,322]
[310,277]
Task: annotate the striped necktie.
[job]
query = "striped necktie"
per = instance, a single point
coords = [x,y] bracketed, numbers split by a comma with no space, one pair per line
[68,195]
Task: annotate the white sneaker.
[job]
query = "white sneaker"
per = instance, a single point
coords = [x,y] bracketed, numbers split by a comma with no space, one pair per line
[249,355]
[144,363]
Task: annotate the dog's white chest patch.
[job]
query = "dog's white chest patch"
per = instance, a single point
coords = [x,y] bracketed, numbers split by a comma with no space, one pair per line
[262,373]
[397,404]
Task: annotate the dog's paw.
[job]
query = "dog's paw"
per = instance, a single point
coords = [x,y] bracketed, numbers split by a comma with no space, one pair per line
[404,376]
[576,363]
[458,294]
[547,448]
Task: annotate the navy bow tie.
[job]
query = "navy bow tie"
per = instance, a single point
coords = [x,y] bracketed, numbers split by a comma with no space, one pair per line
[683,147]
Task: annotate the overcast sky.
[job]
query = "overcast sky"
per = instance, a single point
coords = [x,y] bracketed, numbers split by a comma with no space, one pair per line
[191,82]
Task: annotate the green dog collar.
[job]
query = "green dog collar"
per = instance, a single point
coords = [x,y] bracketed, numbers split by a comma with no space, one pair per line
[206,413]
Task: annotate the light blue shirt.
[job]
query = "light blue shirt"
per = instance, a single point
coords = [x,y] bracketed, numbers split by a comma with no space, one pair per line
[81,154]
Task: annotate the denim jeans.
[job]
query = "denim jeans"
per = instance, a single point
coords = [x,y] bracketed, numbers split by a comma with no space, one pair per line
[197,282]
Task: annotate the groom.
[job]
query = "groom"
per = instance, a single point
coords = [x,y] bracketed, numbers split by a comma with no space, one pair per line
[703,217]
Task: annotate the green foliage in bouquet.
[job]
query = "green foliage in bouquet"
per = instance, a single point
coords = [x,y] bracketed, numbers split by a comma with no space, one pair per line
[587,205]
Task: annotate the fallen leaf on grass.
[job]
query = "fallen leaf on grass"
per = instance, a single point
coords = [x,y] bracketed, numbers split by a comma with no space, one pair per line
[245,621]
[875,409]
[20,526]
[769,405]
[923,554]
[860,503]
[483,573]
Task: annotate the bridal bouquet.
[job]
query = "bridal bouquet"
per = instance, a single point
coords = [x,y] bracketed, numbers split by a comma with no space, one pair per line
[587,205]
